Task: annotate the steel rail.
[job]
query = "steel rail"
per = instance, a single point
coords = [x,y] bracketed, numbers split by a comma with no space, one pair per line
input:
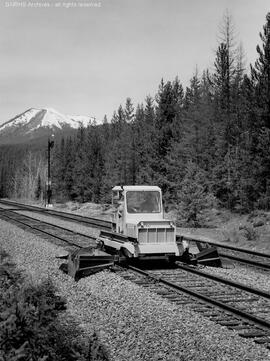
[238,285]
[56,226]
[88,220]
[245,316]
[46,232]
[216,244]
[245,260]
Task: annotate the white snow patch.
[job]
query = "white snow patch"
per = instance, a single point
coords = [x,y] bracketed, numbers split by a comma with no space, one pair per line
[83,120]
[54,118]
[22,119]
[51,118]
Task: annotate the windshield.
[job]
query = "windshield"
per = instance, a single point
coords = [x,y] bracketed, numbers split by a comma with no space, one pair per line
[143,202]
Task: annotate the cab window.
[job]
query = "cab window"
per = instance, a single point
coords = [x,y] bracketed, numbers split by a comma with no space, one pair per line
[143,202]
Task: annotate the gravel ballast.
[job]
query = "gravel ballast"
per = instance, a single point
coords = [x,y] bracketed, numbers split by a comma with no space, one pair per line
[133,323]
[248,276]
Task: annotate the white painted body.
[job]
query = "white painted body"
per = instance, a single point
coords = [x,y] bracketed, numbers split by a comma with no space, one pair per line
[154,234]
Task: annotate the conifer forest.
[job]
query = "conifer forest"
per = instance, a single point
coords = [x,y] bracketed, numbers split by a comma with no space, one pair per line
[209,141]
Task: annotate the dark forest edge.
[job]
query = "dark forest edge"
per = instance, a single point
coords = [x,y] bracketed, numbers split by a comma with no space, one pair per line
[205,145]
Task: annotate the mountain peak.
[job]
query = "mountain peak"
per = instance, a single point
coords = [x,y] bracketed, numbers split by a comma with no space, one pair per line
[32,122]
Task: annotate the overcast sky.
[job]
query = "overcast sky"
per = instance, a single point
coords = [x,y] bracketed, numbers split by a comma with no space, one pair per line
[88,60]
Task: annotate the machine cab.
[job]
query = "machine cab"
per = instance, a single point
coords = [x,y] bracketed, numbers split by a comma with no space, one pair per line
[134,204]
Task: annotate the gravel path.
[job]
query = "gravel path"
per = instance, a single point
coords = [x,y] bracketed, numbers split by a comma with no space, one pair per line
[132,322]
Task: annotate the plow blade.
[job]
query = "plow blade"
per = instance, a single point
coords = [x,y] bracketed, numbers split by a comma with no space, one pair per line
[208,257]
[87,261]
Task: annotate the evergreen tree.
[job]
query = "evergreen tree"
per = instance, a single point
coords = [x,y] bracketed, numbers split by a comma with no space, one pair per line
[193,120]
[261,73]
[144,141]
[129,111]
[69,167]
[79,172]
[221,79]
[168,118]
[95,159]
[59,169]
[193,196]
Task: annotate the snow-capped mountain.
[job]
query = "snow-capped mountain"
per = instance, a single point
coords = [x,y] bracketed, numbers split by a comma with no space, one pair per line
[34,123]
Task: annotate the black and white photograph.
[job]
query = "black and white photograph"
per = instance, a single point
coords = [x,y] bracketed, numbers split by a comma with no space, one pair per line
[134,180]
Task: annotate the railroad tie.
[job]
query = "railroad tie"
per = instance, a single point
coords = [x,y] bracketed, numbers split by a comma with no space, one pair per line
[252,334]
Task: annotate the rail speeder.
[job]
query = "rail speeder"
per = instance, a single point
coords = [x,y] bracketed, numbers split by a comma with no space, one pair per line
[139,218]
[139,232]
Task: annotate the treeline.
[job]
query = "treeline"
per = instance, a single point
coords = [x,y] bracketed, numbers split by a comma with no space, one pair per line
[215,134]
[208,141]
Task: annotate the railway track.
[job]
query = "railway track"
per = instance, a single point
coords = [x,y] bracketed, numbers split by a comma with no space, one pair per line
[240,255]
[238,307]
[227,305]
[89,221]
[62,236]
